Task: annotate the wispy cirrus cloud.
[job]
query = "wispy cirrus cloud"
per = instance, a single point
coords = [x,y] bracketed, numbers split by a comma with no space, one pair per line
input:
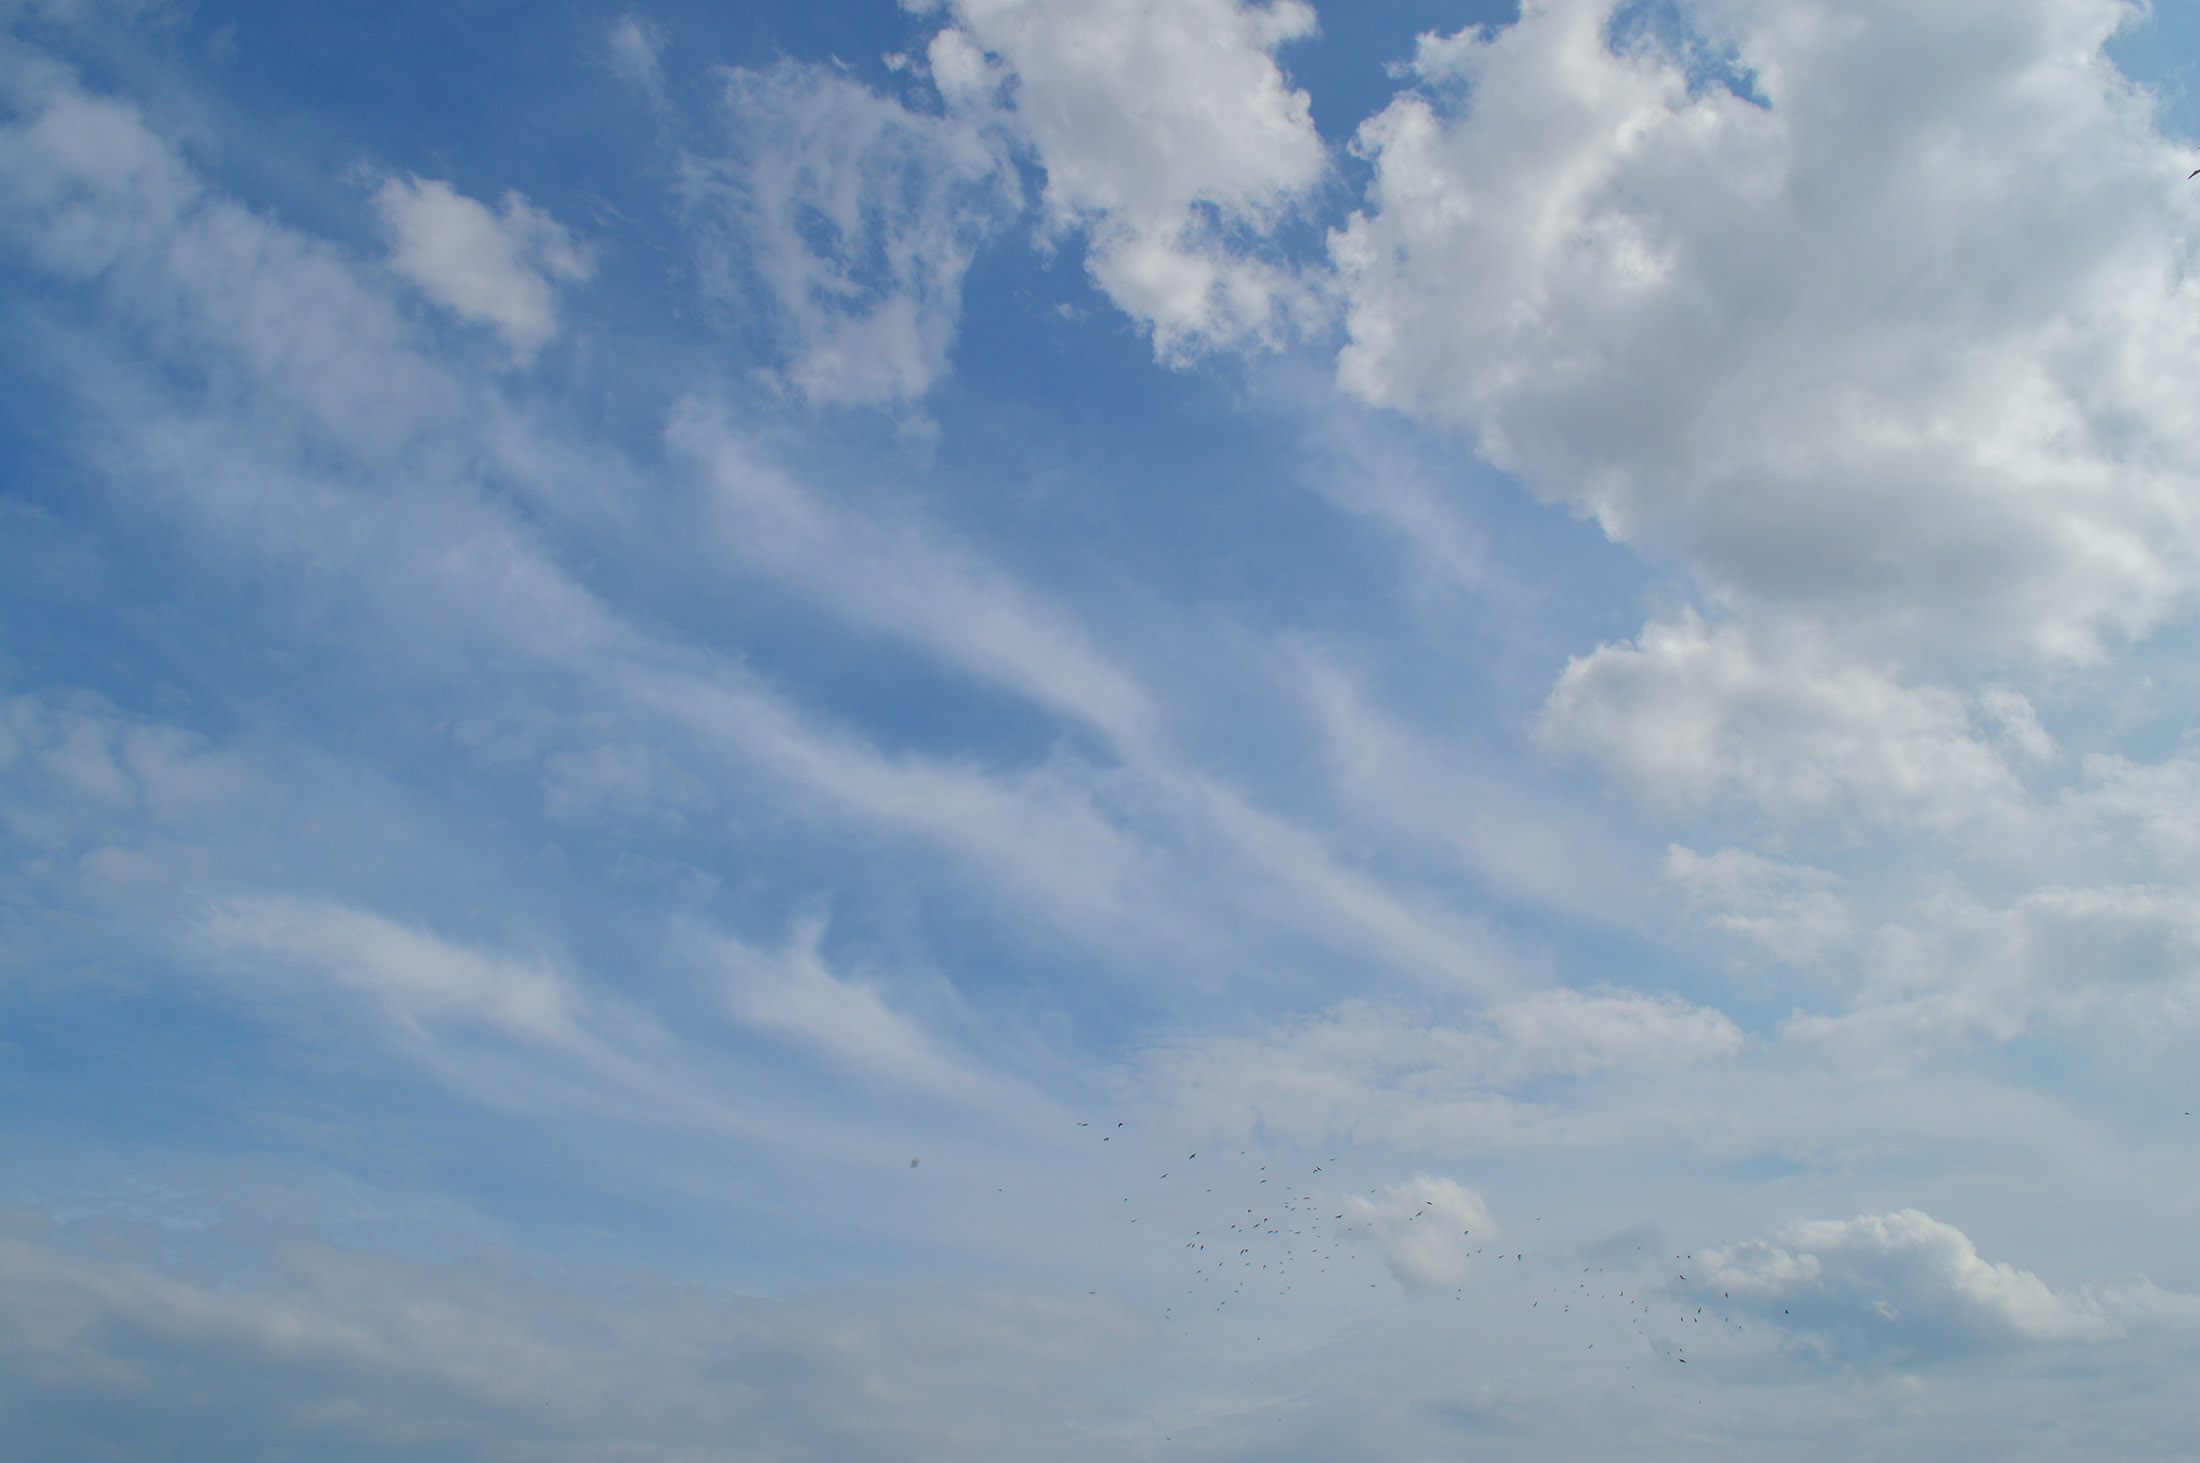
[846,222]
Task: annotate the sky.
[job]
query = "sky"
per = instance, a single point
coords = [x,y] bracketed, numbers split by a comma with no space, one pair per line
[1098,729]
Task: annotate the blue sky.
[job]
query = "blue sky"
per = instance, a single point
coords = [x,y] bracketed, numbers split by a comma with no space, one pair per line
[1003,729]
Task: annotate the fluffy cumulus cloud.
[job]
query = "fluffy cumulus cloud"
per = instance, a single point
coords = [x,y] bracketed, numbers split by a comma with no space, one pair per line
[1877,319]
[497,267]
[1907,1288]
[846,221]
[1169,136]
[1888,318]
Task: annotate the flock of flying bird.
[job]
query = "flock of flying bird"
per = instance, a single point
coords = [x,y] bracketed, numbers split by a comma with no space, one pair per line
[1297,1232]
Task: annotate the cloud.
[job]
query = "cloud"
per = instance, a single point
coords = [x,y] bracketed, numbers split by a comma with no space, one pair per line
[1687,712]
[82,181]
[1789,911]
[516,1035]
[1885,324]
[793,994]
[845,222]
[336,1354]
[358,458]
[1905,1288]
[1168,135]
[525,1035]
[1524,840]
[444,567]
[635,47]
[2120,807]
[431,527]
[485,607]
[113,823]
[62,758]
[1376,1075]
[493,268]
[1427,1229]
[1579,1032]
[418,980]
[1954,965]
[908,580]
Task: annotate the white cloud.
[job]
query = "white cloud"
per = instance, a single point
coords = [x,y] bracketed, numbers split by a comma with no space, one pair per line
[440,561]
[793,993]
[1426,1228]
[2121,808]
[1168,134]
[1372,1075]
[1687,712]
[336,1354]
[418,979]
[1147,855]
[1908,349]
[524,1036]
[1790,911]
[1580,1032]
[909,581]
[87,759]
[1522,839]
[83,182]
[851,220]
[1905,1287]
[1953,965]
[102,812]
[494,268]
[636,47]
[93,194]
